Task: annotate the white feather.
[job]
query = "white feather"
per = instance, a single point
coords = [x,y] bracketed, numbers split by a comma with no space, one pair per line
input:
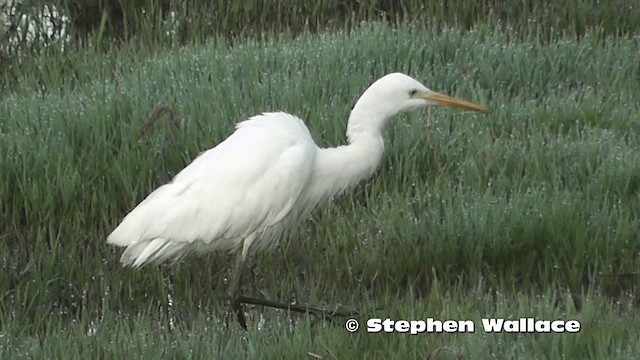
[219,199]
[242,193]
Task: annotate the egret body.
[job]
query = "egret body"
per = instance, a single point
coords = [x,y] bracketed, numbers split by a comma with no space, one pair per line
[240,195]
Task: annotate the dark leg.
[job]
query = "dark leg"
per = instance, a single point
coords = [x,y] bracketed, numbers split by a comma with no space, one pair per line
[236,299]
[234,290]
[319,313]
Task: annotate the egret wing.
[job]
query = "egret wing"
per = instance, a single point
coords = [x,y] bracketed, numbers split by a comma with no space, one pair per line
[241,188]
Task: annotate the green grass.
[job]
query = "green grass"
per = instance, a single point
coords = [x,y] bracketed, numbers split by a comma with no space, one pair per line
[34,65]
[530,211]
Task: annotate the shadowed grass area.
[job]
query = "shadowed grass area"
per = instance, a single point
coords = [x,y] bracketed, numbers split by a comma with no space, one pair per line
[530,211]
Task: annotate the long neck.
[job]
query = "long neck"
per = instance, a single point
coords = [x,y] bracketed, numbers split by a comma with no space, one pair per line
[344,166]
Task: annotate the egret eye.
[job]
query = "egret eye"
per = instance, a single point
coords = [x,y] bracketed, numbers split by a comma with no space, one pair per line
[413,92]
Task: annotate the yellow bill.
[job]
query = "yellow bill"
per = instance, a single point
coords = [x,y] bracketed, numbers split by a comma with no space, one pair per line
[444,100]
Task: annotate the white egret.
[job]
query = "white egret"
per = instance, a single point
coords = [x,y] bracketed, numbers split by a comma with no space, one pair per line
[240,195]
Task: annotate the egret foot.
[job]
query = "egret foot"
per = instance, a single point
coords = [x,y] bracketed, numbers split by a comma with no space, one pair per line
[235,307]
[318,313]
[236,299]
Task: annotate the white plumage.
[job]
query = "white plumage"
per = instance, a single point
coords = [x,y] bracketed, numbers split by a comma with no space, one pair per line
[243,188]
[244,192]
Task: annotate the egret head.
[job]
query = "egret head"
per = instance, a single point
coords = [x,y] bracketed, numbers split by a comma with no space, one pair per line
[395,93]
[398,92]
